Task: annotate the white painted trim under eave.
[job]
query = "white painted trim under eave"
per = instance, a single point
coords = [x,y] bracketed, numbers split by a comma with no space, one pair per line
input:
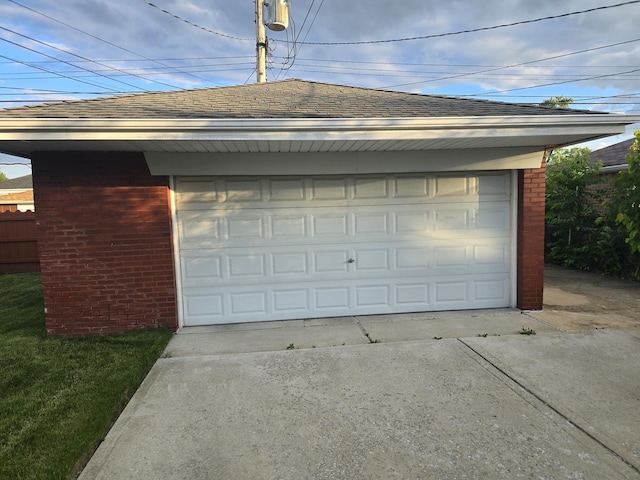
[25,129]
[343,163]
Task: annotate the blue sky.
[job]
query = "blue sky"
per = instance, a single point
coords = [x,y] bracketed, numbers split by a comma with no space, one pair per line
[512,51]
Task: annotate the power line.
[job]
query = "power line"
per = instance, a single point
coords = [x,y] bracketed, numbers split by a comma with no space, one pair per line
[472,30]
[324,60]
[595,77]
[55,73]
[144,71]
[155,60]
[196,25]
[48,45]
[98,38]
[553,57]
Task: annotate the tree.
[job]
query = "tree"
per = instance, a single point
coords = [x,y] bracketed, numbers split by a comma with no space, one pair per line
[627,193]
[570,206]
[557,102]
[3,177]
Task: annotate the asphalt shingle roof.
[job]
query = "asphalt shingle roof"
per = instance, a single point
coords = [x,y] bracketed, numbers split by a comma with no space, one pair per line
[25,182]
[613,154]
[284,99]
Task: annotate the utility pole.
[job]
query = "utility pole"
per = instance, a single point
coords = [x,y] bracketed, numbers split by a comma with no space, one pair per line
[261,44]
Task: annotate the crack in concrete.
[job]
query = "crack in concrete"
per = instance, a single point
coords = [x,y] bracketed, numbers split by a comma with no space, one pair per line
[561,414]
[364,331]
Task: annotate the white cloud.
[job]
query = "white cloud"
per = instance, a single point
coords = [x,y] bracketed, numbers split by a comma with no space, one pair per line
[151,42]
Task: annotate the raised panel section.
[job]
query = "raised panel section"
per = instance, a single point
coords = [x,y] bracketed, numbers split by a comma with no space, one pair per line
[288,227]
[451,186]
[371,223]
[449,292]
[493,185]
[202,266]
[412,295]
[412,258]
[243,228]
[372,295]
[331,262]
[451,220]
[246,265]
[412,187]
[330,189]
[450,256]
[249,302]
[332,298]
[368,188]
[197,225]
[291,300]
[329,225]
[289,263]
[372,260]
[204,305]
[286,190]
[243,191]
[489,289]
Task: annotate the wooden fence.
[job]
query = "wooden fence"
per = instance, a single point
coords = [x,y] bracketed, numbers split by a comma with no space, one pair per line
[18,244]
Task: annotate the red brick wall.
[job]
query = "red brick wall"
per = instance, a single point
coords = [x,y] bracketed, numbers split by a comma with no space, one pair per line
[104,233]
[530,270]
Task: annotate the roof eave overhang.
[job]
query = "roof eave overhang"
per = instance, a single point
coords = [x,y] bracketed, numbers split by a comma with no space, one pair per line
[546,131]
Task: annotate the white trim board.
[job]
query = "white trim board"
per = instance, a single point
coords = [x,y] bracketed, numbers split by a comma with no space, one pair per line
[319,163]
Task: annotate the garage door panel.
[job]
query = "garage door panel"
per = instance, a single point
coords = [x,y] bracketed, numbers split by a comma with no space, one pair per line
[329,189]
[330,225]
[309,263]
[413,188]
[343,298]
[371,188]
[332,261]
[287,190]
[194,193]
[258,249]
[295,226]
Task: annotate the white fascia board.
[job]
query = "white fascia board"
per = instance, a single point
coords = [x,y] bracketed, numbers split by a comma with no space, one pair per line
[311,129]
[614,168]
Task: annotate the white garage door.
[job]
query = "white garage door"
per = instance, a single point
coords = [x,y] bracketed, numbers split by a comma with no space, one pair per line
[256,249]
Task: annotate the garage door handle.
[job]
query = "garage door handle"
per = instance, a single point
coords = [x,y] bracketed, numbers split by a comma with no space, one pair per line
[351,260]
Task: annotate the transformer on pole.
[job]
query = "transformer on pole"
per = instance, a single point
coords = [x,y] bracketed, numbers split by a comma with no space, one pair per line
[277,20]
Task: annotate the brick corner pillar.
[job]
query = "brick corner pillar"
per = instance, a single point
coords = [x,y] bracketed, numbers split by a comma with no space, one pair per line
[103,224]
[530,255]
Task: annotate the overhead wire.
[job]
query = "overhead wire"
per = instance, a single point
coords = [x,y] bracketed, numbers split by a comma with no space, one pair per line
[196,25]
[159,61]
[297,48]
[53,47]
[594,77]
[472,30]
[515,65]
[53,72]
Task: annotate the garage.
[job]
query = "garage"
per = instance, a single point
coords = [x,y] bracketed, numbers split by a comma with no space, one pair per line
[292,247]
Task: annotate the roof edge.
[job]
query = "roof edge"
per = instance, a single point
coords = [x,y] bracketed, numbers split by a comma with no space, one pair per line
[68,125]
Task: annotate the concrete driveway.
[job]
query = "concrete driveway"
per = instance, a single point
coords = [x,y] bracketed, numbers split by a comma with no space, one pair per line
[451,395]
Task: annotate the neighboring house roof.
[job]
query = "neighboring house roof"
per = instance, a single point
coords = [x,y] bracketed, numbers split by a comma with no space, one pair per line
[294,116]
[285,99]
[18,183]
[20,197]
[613,157]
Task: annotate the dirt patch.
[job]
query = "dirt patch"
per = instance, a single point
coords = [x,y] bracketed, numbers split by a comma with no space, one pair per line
[576,300]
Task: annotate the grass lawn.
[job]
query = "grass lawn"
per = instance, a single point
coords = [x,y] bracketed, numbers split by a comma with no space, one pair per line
[58,397]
